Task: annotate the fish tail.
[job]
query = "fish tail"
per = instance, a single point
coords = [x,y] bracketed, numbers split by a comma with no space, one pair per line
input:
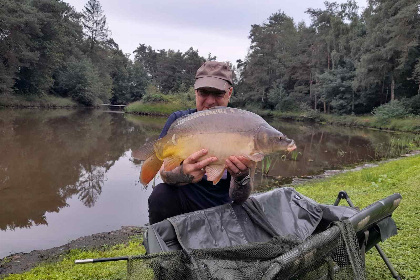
[149,169]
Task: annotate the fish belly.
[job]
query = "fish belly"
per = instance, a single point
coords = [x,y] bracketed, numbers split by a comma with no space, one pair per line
[220,145]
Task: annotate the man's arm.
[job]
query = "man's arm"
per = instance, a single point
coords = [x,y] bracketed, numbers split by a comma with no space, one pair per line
[238,168]
[191,170]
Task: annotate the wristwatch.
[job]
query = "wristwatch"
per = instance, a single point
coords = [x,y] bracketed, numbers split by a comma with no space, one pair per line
[244,181]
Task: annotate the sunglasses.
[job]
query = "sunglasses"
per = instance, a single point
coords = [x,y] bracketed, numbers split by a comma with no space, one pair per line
[206,93]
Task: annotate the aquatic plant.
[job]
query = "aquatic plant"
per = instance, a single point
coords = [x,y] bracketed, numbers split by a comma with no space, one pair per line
[295,155]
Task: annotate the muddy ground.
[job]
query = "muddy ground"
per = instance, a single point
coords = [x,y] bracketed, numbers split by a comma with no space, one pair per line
[21,262]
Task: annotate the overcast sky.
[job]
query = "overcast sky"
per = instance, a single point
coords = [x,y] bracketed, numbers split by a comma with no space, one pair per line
[217,27]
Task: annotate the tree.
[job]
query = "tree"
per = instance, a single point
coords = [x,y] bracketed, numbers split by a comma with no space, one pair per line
[271,52]
[94,22]
[391,45]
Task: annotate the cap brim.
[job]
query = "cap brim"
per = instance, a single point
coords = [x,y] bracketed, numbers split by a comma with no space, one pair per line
[210,82]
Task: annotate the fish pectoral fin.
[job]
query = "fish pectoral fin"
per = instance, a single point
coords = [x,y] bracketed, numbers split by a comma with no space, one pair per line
[256,157]
[149,169]
[170,163]
[145,152]
[214,173]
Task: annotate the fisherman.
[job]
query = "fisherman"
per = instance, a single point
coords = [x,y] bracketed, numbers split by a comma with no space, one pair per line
[185,188]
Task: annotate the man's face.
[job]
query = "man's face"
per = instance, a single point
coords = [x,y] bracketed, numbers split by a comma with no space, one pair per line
[206,98]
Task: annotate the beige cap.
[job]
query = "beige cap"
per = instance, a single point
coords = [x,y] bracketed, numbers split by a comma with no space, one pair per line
[213,74]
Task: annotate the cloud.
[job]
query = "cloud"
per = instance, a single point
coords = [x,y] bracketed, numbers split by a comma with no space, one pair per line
[218,26]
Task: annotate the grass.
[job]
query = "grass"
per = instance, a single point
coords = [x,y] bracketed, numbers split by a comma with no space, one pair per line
[364,187]
[369,185]
[154,108]
[45,101]
[67,269]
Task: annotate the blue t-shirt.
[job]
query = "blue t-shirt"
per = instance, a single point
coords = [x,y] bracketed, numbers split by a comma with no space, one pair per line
[204,194]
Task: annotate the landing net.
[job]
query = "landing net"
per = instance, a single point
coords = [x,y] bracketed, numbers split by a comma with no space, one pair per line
[331,254]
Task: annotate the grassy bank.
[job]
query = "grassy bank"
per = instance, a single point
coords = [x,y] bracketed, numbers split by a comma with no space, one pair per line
[161,109]
[364,187]
[46,101]
[409,124]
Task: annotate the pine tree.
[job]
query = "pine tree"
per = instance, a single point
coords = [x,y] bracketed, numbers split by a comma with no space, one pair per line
[94,22]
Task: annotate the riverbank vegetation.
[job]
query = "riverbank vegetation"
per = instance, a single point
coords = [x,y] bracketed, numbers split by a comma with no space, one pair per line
[346,61]
[364,187]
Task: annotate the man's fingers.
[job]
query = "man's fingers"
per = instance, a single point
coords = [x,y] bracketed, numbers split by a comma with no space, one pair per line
[203,163]
[193,158]
[246,161]
[238,164]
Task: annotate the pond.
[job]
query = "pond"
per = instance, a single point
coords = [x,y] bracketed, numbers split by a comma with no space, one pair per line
[69,173]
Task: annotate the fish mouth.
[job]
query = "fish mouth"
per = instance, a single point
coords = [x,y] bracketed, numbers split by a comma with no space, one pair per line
[291,146]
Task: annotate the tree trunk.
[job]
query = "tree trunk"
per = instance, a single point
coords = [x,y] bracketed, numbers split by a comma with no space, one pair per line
[328,56]
[329,108]
[382,91]
[310,86]
[352,101]
[325,107]
[392,89]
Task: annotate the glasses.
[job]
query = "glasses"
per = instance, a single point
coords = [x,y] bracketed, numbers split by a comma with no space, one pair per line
[206,93]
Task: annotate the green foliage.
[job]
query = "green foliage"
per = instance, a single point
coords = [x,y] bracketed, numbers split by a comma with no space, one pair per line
[414,104]
[172,71]
[94,23]
[371,184]
[343,62]
[154,102]
[67,269]
[83,83]
[393,109]
[153,95]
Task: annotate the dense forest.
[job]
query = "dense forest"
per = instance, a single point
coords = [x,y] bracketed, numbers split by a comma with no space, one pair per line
[346,61]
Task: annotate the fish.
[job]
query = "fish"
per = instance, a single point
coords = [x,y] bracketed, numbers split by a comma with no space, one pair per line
[223,131]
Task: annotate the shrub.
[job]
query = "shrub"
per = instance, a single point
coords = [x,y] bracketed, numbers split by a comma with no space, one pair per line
[393,109]
[83,83]
[414,104]
[153,95]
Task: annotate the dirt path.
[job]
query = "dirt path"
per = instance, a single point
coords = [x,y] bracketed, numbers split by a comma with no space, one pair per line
[21,262]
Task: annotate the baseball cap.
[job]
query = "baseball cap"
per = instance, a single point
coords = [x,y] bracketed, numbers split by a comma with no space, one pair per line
[213,74]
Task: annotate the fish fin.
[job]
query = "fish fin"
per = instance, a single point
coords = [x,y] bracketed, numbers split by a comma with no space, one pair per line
[149,169]
[171,162]
[256,157]
[214,173]
[145,152]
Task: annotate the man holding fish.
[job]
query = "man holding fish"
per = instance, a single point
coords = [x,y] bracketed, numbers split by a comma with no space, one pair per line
[204,155]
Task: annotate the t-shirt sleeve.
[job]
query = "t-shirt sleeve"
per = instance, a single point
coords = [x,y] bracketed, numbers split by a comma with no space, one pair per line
[168,124]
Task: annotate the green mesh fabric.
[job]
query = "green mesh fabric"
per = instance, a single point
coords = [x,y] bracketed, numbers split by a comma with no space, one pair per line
[332,254]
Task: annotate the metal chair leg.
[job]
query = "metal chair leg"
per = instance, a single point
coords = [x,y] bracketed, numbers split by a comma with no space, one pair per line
[344,195]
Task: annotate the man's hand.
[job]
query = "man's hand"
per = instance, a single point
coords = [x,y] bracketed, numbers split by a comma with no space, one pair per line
[238,166]
[191,170]
[194,168]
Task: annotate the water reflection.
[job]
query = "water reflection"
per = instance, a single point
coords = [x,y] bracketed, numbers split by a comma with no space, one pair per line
[67,173]
[49,156]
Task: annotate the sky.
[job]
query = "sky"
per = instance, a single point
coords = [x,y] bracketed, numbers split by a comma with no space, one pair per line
[217,27]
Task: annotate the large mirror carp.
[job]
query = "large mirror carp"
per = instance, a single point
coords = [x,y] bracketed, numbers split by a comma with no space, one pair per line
[223,131]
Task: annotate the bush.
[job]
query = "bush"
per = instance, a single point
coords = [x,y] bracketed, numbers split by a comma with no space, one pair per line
[81,81]
[153,95]
[414,104]
[391,110]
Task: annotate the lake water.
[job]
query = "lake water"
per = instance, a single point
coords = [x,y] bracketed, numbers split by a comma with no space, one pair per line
[69,173]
